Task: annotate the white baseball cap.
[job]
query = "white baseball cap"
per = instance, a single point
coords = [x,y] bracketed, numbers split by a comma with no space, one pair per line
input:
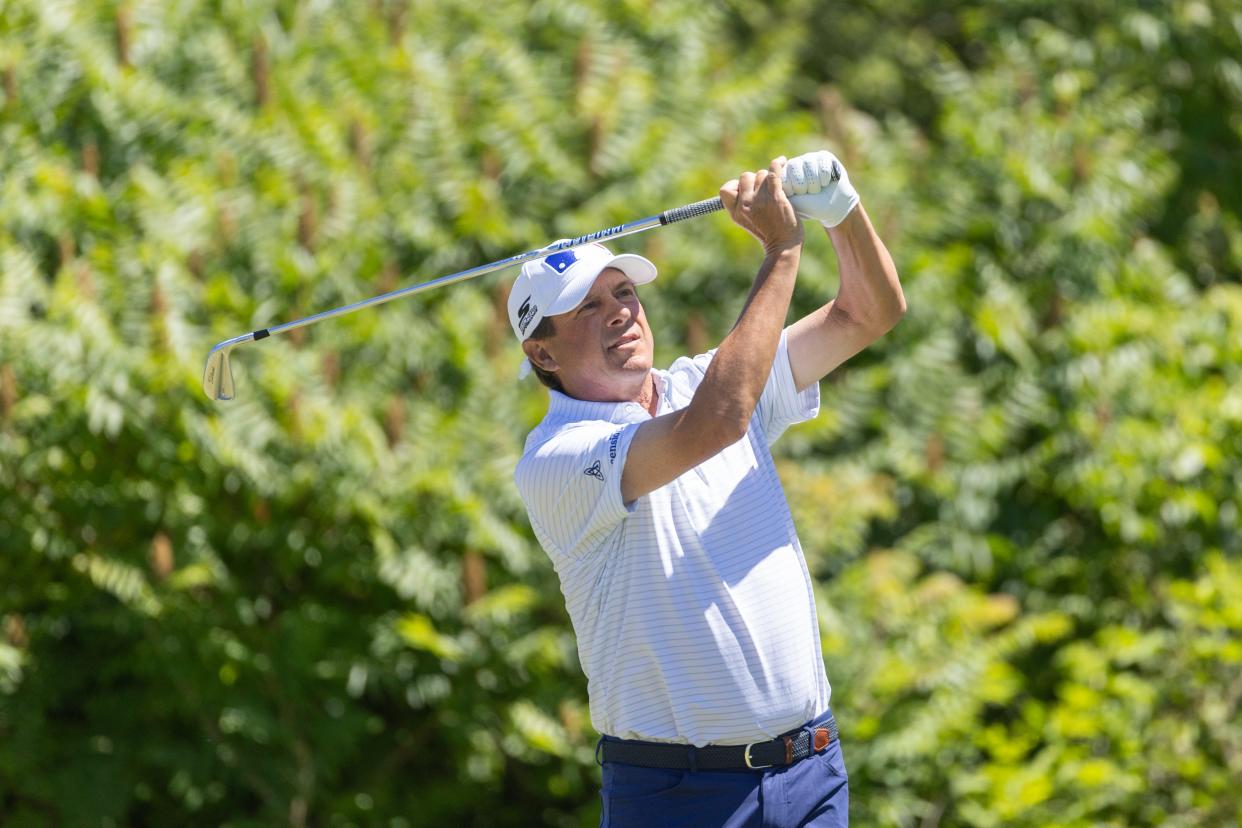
[558,283]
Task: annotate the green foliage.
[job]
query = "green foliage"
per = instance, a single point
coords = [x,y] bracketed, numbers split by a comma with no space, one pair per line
[321,603]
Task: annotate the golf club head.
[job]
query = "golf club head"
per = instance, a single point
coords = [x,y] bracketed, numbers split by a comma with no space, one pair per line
[218,375]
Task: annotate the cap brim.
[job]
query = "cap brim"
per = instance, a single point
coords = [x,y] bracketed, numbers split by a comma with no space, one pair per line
[639,270]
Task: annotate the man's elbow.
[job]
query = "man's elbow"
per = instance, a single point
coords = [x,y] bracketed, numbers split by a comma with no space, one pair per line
[892,314]
[722,427]
[881,319]
[725,430]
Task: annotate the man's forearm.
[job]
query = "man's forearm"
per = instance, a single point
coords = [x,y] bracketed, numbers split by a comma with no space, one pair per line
[870,293]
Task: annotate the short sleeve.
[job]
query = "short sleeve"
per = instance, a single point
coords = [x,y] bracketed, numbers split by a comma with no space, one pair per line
[571,484]
[781,405]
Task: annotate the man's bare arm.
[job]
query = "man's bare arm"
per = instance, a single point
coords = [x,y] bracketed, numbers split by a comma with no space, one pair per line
[868,305]
[870,301]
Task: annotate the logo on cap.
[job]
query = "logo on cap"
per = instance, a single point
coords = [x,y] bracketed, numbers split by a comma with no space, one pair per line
[525,314]
[560,262]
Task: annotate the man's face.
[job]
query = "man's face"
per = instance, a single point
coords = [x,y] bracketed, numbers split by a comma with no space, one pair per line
[603,348]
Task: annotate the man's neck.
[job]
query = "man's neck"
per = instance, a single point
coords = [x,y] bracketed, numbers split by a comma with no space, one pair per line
[645,395]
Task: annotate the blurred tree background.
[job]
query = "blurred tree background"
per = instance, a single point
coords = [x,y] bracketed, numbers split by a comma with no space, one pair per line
[321,604]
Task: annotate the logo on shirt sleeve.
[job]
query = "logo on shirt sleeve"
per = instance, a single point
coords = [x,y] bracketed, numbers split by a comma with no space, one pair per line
[594,471]
[612,448]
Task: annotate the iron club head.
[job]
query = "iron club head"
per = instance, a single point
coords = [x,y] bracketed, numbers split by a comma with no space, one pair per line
[218,375]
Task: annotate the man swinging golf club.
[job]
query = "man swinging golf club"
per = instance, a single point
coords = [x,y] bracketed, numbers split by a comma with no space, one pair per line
[655,495]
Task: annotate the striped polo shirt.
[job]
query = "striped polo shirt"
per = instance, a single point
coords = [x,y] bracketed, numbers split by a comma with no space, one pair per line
[692,605]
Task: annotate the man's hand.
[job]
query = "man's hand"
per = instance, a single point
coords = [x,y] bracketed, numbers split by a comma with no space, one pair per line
[819,188]
[757,203]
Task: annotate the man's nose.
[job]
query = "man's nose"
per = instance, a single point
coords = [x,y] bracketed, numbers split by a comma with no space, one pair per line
[618,312]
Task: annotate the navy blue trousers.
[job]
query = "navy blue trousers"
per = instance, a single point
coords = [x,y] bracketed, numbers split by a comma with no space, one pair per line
[812,792]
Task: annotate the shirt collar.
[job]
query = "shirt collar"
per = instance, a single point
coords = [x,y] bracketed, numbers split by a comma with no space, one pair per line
[562,406]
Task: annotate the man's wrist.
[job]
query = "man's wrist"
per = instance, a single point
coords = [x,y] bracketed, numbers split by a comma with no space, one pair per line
[848,226]
[782,250]
[829,224]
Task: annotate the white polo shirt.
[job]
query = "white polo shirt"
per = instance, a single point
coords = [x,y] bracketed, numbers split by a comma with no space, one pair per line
[692,605]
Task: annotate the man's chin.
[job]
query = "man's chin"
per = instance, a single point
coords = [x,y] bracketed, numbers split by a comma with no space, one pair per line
[638,363]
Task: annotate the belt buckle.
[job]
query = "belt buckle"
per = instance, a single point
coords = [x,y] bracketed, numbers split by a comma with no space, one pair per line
[746,756]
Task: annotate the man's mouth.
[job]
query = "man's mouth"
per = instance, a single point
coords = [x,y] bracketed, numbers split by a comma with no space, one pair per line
[625,340]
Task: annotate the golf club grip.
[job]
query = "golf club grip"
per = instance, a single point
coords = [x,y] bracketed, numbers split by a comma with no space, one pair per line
[698,208]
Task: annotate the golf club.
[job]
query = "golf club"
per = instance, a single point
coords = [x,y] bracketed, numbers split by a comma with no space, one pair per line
[218,374]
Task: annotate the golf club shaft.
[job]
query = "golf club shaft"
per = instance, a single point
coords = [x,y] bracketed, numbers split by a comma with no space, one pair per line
[668,217]
[217,374]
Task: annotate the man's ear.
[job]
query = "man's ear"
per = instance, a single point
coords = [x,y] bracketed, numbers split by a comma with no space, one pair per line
[539,356]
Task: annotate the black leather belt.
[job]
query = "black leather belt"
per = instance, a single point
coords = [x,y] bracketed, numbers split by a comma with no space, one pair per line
[779,752]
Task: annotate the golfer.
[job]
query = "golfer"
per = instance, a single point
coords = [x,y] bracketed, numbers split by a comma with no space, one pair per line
[655,495]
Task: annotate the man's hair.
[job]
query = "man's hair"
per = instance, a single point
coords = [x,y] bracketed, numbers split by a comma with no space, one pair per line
[544,330]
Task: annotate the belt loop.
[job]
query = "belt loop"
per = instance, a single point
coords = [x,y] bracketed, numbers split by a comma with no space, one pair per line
[693,753]
[598,747]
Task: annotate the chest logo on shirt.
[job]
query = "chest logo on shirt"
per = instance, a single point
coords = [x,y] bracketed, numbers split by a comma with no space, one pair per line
[594,471]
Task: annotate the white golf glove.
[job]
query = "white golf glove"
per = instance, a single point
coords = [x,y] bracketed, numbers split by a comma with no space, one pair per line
[819,188]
